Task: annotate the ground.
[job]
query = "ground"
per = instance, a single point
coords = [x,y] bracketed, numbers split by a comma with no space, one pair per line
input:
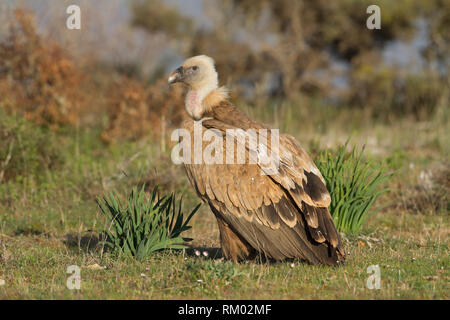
[49,221]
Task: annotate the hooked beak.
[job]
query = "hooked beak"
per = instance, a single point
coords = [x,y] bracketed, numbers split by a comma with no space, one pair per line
[176,76]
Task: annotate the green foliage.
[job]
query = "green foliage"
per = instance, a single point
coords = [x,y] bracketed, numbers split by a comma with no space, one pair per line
[144,225]
[353,184]
[325,33]
[26,149]
[214,271]
[415,95]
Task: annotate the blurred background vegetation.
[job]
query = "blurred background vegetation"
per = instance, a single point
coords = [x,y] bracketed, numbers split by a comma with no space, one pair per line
[84,112]
[311,68]
[300,52]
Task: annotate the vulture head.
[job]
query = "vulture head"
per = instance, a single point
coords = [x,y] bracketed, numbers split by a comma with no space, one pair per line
[197,73]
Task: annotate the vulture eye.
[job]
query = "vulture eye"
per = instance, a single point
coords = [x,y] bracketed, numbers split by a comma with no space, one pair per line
[195,68]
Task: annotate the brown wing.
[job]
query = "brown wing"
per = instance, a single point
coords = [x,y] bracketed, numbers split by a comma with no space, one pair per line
[282,215]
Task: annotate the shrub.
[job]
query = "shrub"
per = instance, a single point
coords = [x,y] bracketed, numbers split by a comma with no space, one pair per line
[387,94]
[38,79]
[143,225]
[136,110]
[353,183]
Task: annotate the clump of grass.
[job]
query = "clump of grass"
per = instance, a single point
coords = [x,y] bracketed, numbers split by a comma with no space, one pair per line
[353,183]
[144,225]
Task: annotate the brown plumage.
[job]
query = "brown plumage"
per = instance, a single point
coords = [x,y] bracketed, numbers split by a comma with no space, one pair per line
[279,215]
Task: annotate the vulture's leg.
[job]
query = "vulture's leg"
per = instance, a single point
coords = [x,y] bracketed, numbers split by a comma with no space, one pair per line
[233,246]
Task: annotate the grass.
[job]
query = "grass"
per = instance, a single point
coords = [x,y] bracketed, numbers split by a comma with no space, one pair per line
[49,220]
[409,269]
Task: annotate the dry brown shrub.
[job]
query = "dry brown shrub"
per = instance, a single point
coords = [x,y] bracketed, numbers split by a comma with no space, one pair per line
[37,77]
[136,110]
[42,82]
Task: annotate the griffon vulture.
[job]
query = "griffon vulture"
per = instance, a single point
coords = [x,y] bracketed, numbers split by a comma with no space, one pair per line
[277,214]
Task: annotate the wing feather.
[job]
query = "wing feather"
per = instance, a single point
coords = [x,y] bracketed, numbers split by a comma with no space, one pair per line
[285,213]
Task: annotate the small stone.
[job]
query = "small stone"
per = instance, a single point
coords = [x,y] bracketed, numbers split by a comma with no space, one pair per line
[2,282]
[197,253]
[205,253]
[95,266]
[143,275]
